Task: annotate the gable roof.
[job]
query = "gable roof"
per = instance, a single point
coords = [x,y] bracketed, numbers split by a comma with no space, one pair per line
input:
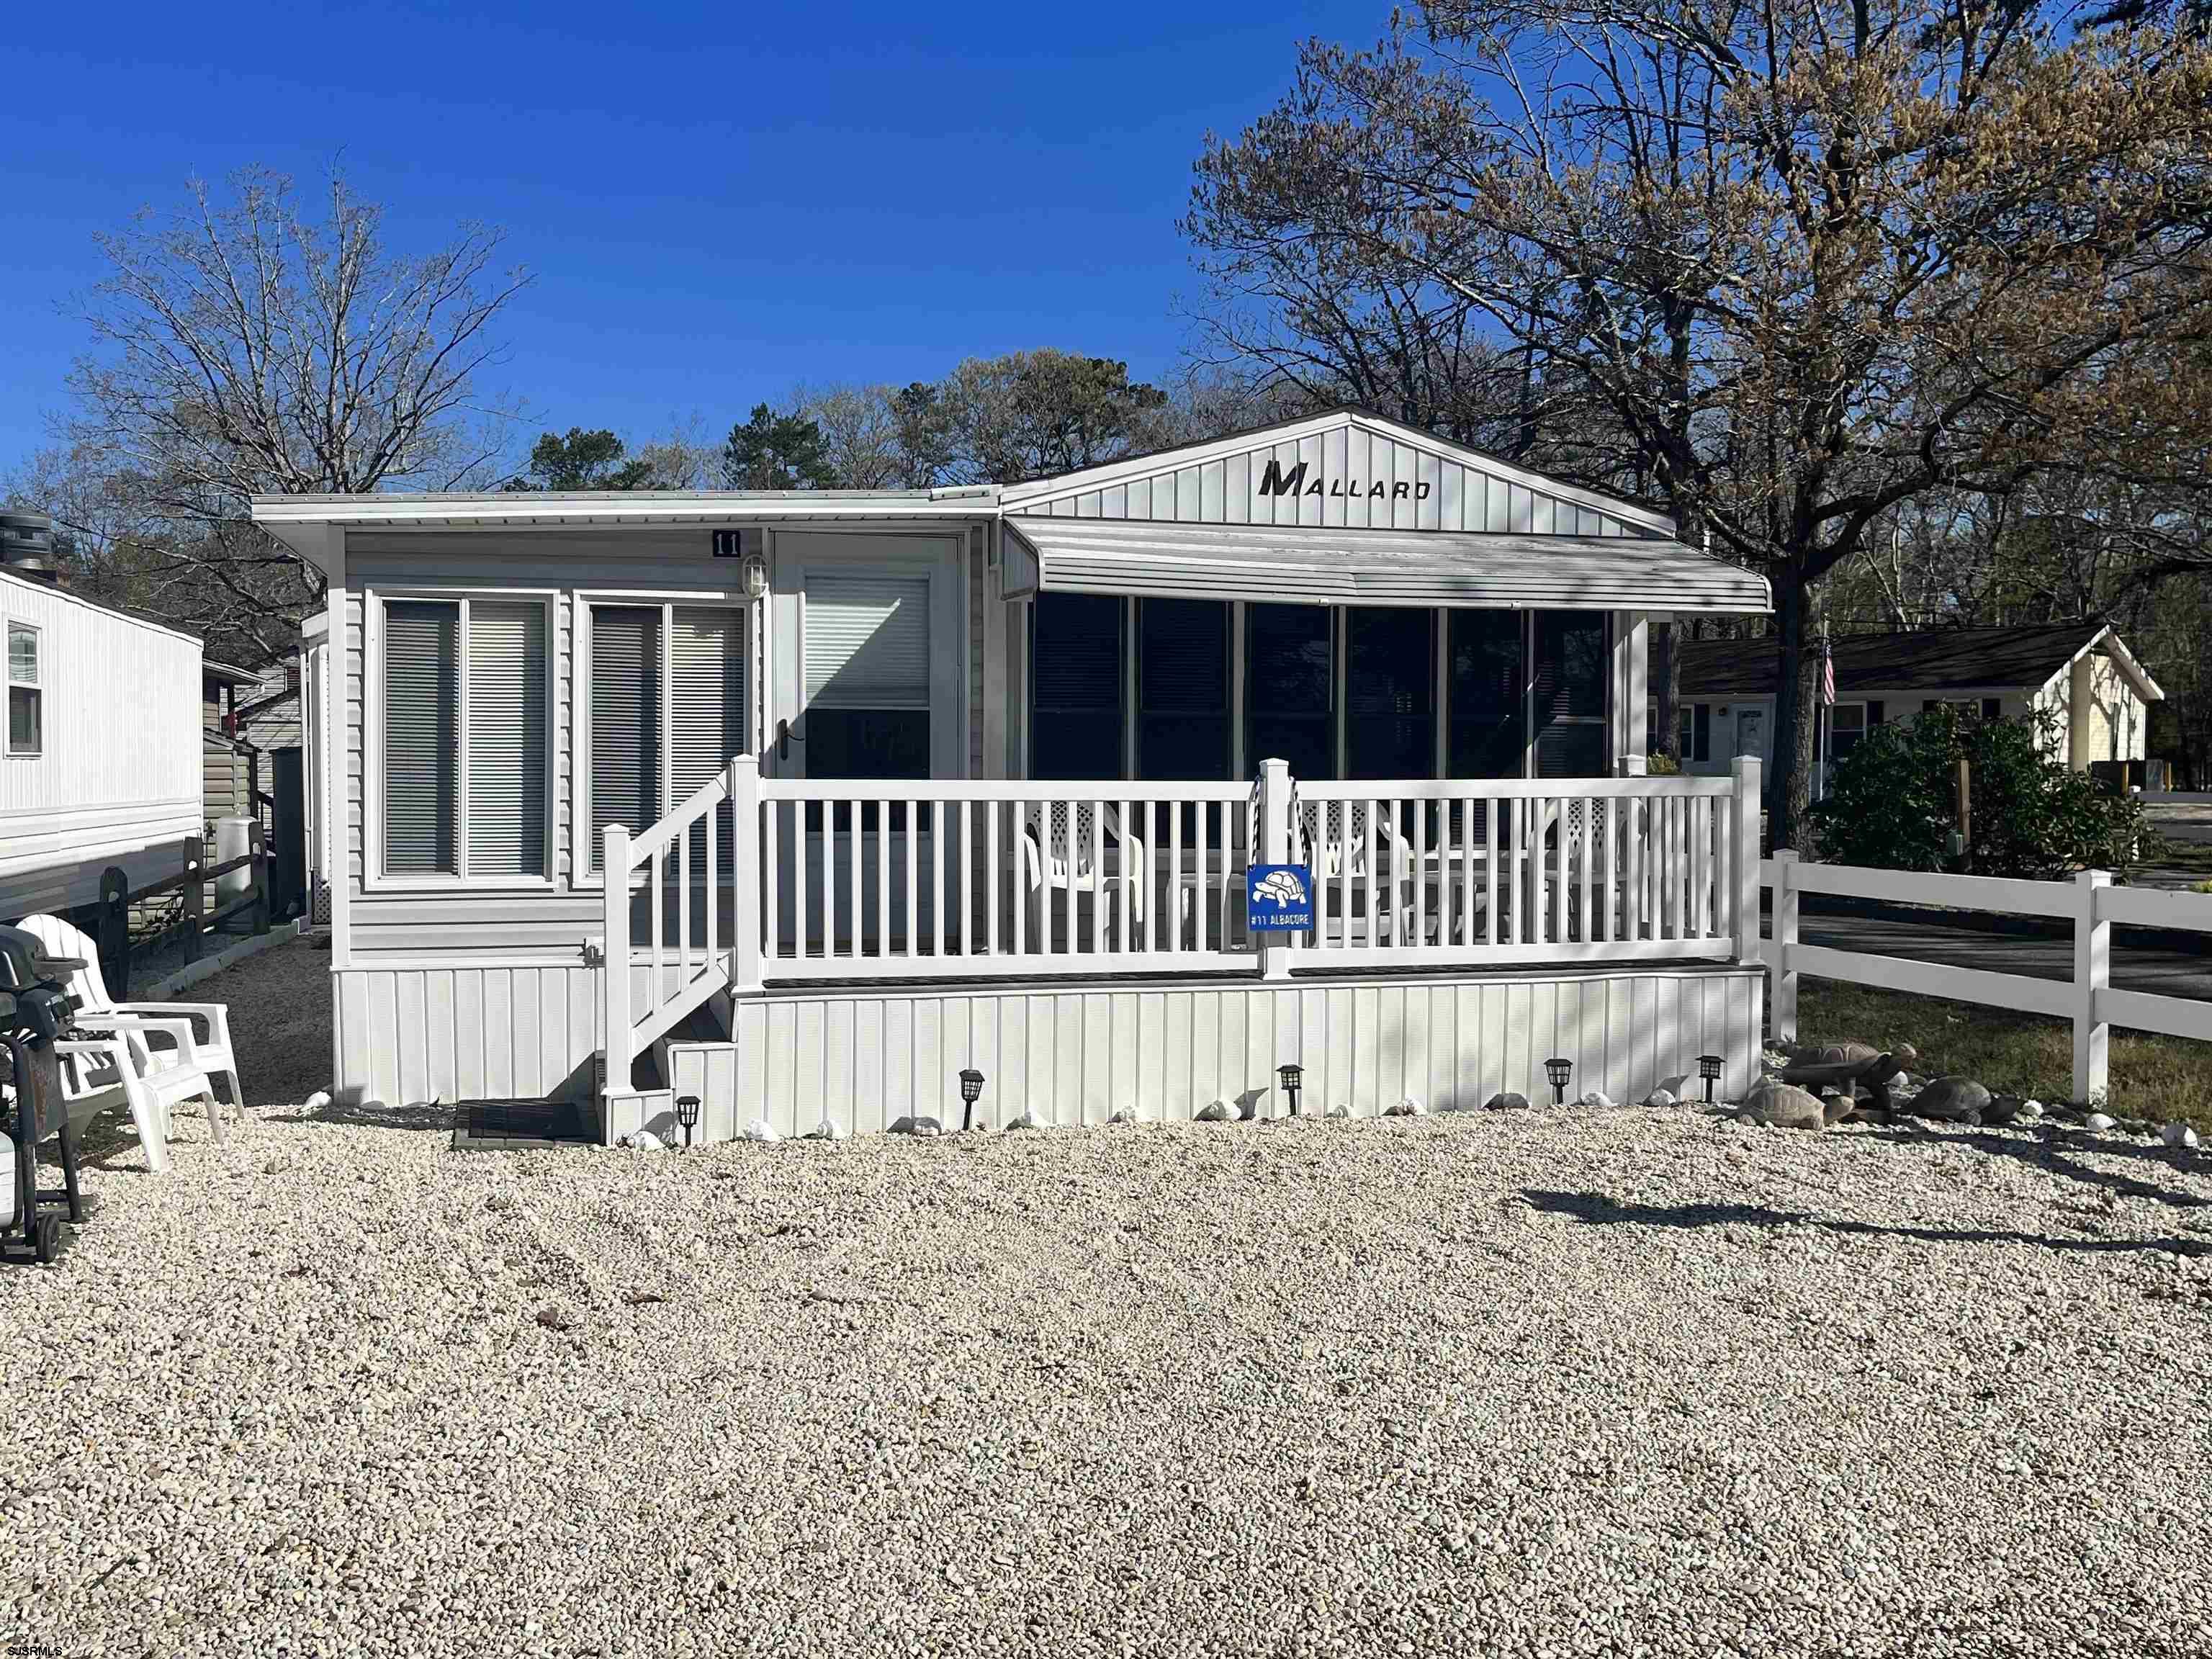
[1937,660]
[1447,486]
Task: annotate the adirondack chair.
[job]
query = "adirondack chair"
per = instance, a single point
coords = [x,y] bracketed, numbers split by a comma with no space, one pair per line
[1056,853]
[148,1056]
[1341,837]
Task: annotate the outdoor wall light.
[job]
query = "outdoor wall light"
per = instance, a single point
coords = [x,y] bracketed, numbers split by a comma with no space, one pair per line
[687,1114]
[1292,1077]
[754,574]
[1709,1068]
[1558,1070]
[971,1090]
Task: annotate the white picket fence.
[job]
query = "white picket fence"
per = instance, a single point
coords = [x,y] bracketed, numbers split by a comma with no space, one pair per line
[2088,998]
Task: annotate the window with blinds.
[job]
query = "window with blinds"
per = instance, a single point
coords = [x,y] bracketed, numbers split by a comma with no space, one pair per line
[866,650]
[1484,689]
[422,738]
[1075,712]
[1390,692]
[465,738]
[1570,664]
[664,723]
[1183,688]
[507,747]
[1290,709]
[625,720]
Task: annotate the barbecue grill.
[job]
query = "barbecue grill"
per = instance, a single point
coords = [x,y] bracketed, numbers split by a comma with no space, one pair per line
[35,1009]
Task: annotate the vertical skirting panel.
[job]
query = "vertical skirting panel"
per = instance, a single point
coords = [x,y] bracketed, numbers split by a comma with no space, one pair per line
[1075,1056]
[402,1036]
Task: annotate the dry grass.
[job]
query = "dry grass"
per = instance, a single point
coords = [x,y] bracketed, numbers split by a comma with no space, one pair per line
[2154,1077]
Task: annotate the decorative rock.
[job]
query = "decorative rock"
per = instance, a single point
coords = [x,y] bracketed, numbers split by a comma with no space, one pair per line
[1339,1111]
[1409,1107]
[924,1126]
[1782,1106]
[1677,1085]
[1956,1098]
[1598,1101]
[1122,1115]
[2097,1121]
[759,1130]
[1836,1106]
[1219,1111]
[1026,1121]
[644,1141]
[1661,1097]
[827,1129]
[1510,1101]
[317,1101]
[2179,1136]
[1248,1109]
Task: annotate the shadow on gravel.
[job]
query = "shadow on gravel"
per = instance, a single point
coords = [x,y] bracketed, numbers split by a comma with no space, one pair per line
[2048,1152]
[1598,1208]
[434,1115]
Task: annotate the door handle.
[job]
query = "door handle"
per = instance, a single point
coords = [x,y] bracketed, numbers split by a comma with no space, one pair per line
[783,740]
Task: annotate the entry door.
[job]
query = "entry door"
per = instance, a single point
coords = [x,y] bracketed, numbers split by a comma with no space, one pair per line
[870,685]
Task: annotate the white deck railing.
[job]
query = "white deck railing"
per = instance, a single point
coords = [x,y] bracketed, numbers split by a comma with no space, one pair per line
[754,880]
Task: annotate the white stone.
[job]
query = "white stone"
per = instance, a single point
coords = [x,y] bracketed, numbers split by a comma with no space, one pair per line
[917,1126]
[827,1129]
[2097,1121]
[643,1140]
[1218,1111]
[1598,1101]
[1677,1086]
[761,1130]
[1339,1111]
[1122,1115]
[1411,1106]
[1026,1121]
[2179,1136]
[1661,1097]
[318,1100]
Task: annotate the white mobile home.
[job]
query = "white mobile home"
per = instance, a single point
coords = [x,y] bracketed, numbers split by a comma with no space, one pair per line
[802,803]
[2081,673]
[103,750]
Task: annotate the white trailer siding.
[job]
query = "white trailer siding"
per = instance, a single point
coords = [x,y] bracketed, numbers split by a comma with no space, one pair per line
[117,778]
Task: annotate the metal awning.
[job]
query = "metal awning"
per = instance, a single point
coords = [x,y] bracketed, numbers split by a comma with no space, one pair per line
[1467,569]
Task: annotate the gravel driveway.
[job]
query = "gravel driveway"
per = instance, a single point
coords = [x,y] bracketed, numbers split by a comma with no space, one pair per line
[1620,1382]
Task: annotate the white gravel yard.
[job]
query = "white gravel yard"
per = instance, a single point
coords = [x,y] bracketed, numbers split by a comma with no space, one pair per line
[1542,1382]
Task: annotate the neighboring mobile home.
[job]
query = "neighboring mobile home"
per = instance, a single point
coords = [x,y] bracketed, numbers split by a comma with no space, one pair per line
[2081,673]
[803,802]
[102,762]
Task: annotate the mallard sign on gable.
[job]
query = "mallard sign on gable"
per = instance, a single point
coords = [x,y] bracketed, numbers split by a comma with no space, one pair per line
[1347,468]
[1274,480]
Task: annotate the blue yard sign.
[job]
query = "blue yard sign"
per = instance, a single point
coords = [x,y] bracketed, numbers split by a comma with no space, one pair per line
[1278,898]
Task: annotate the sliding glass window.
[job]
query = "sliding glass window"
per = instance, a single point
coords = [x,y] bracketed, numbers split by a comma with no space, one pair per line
[1485,689]
[1289,700]
[1390,692]
[1076,687]
[1183,690]
[1569,694]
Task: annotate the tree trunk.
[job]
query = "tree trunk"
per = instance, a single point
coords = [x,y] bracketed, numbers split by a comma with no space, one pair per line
[1667,687]
[1797,704]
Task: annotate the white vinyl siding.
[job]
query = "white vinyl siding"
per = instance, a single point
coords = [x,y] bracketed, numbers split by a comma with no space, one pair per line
[464,692]
[668,699]
[27,722]
[506,754]
[867,641]
[421,750]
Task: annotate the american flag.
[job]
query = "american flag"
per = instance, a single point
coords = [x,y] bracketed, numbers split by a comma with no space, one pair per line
[1827,677]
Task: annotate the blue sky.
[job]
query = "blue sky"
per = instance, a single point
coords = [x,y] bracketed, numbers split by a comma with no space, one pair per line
[717,201]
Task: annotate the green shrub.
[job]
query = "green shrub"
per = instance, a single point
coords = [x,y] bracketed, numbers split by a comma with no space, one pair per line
[1660,765]
[1892,802]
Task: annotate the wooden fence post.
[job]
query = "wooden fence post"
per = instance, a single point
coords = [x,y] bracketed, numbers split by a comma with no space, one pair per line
[2092,975]
[614,962]
[195,894]
[1743,831]
[257,848]
[1781,978]
[115,932]
[745,876]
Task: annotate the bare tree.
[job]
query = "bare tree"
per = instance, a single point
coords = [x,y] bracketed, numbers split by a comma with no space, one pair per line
[244,348]
[859,434]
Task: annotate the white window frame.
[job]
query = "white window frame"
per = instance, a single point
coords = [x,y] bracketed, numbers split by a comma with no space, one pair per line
[584,874]
[37,683]
[375,879]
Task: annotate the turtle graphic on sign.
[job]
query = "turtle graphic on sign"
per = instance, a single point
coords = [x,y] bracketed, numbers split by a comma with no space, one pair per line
[1278,898]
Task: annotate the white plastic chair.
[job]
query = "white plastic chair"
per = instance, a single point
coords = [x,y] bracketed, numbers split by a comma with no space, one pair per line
[1057,839]
[1339,843]
[123,1060]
